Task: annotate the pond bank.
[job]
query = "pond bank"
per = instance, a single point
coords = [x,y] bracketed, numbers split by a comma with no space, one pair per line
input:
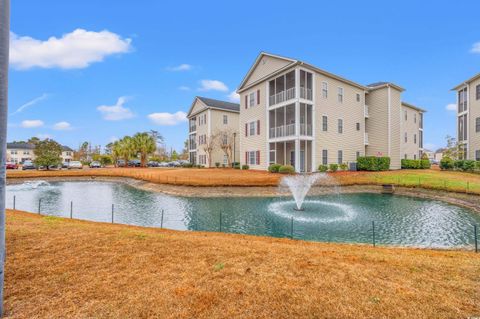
[471,201]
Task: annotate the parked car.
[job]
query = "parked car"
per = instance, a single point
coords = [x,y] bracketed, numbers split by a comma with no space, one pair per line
[28,165]
[65,165]
[152,164]
[433,162]
[75,165]
[11,165]
[95,164]
[121,163]
[163,164]
[134,163]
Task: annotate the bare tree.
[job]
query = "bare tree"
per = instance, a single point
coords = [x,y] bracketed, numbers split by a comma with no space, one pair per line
[225,141]
[4,51]
[209,146]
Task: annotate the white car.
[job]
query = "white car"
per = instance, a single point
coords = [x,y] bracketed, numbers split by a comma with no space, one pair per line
[75,164]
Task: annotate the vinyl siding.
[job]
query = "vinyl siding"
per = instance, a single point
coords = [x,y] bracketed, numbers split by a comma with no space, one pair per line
[217,127]
[410,127]
[377,123]
[255,113]
[473,113]
[266,66]
[395,130]
[350,111]
[201,130]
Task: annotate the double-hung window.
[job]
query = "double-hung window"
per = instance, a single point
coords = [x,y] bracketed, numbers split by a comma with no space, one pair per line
[251,99]
[340,94]
[324,123]
[340,157]
[324,157]
[324,90]
[340,126]
[225,119]
[253,128]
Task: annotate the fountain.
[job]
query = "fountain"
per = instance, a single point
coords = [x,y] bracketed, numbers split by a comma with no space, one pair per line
[299,185]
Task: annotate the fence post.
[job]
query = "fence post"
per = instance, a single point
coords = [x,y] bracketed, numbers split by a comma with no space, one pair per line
[373,233]
[113,208]
[39,204]
[14,200]
[71,209]
[291,228]
[220,221]
[476,237]
[161,221]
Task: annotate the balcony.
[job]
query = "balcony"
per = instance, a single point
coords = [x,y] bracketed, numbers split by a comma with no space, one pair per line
[282,96]
[366,111]
[282,131]
[193,128]
[365,139]
[306,93]
[306,129]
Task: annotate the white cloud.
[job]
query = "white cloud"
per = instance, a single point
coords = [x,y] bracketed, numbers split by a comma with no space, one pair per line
[116,112]
[181,67]
[212,85]
[184,88]
[62,126]
[32,123]
[234,97]
[168,119]
[31,103]
[451,107]
[475,48]
[74,50]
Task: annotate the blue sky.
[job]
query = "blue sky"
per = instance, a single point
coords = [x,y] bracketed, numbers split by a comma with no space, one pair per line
[98,70]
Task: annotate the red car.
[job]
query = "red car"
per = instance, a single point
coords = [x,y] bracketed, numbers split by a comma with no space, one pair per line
[11,166]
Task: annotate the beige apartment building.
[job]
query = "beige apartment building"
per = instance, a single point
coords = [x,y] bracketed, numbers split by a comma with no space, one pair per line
[294,113]
[213,132]
[468,117]
[20,152]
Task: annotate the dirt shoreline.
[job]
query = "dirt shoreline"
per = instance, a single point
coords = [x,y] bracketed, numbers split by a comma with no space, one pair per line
[471,201]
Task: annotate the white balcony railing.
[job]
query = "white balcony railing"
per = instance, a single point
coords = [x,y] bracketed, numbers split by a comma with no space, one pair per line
[366,111]
[366,139]
[282,96]
[306,93]
[282,131]
[306,129]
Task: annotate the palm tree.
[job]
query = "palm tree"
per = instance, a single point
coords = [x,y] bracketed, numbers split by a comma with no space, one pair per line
[4,51]
[115,150]
[145,144]
[127,148]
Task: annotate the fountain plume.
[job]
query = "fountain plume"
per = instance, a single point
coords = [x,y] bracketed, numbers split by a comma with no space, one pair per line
[300,184]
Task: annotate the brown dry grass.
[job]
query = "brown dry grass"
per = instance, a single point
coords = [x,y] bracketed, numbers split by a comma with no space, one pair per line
[174,176]
[431,179]
[59,268]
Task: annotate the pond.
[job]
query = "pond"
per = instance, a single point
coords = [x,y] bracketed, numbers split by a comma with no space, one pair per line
[398,220]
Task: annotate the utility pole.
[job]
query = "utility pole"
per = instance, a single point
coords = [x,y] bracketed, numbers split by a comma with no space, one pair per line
[4,52]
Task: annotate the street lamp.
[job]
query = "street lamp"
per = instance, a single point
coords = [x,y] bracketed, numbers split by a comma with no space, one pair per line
[234,138]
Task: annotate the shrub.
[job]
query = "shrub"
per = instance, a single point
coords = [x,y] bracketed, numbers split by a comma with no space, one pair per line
[245,167]
[217,164]
[223,165]
[343,166]
[446,163]
[236,166]
[425,163]
[286,169]
[373,163]
[415,164]
[322,168]
[273,168]
[187,165]
[333,167]
[458,164]
[468,166]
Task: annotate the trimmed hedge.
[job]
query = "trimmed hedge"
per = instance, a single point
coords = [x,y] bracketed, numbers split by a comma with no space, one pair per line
[273,168]
[446,163]
[286,169]
[333,167]
[415,164]
[322,168]
[460,165]
[373,163]
[245,167]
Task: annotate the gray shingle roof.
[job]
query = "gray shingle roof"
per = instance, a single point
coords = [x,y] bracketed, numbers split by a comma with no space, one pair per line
[220,104]
[20,146]
[66,149]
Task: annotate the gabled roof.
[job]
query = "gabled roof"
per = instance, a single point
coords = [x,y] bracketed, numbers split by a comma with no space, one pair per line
[379,85]
[293,62]
[466,82]
[413,107]
[257,61]
[215,104]
[66,149]
[24,146]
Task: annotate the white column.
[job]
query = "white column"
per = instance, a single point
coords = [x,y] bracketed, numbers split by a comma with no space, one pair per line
[297,155]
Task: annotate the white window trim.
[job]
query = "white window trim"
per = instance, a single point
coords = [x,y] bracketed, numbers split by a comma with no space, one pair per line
[326,89]
[342,95]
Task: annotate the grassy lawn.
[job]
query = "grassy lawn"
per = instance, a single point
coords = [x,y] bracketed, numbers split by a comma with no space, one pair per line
[432,179]
[61,268]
